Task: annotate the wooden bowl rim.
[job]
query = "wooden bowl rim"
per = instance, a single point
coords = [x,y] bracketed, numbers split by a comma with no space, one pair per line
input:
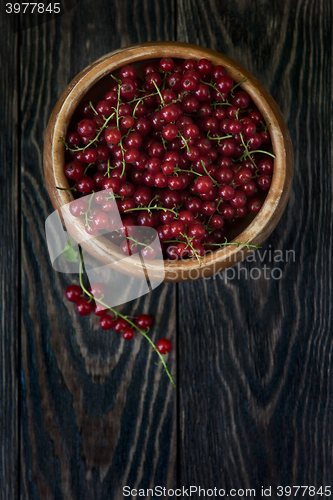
[264,222]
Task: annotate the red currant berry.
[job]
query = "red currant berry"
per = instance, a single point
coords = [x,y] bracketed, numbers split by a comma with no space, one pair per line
[128,333]
[224,84]
[203,184]
[241,99]
[74,170]
[78,207]
[264,182]
[243,176]
[217,221]
[106,322]
[97,290]
[98,311]
[129,72]
[182,249]
[142,196]
[163,346]
[170,132]
[73,293]
[100,220]
[203,67]
[111,183]
[209,208]
[170,113]
[83,307]
[174,81]
[160,180]
[127,89]
[254,206]
[266,166]
[112,135]
[227,211]
[151,80]
[149,252]
[85,184]
[87,128]
[197,230]
[143,321]
[239,199]
[166,64]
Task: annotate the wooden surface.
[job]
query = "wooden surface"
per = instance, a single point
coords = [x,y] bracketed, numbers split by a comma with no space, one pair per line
[253,403]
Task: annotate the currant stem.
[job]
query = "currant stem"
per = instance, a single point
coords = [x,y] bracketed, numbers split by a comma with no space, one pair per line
[126,318]
[189,243]
[235,243]
[92,107]
[116,79]
[218,138]
[86,222]
[155,207]
[186,141]
[265,152]
[159,92]
[73,188]
[214,181]
[85,170]
[237,85]
[130,238]
[215,88]
[91,142]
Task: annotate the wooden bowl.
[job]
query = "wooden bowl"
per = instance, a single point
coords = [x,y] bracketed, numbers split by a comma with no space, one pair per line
[257,230]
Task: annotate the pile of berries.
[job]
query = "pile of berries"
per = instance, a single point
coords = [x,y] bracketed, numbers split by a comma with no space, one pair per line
[86,303]
[178,145]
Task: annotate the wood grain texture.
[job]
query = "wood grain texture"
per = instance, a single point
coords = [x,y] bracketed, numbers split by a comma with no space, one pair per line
[9,269]
[97,412]
[256,354]
[255,373]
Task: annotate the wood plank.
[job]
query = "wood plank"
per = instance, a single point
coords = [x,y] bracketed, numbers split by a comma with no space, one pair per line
[10,262]
[97,413]
[256,368]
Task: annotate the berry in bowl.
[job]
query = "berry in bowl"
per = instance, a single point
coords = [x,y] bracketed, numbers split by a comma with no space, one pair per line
[168,152]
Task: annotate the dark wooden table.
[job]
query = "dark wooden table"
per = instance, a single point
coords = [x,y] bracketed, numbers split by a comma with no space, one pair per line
[82,414]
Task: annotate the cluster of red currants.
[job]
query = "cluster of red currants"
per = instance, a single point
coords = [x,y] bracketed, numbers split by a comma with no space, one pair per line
[179,148]
[85,305]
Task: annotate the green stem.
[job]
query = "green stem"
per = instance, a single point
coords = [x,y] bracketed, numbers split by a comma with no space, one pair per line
[217,210]
[140,98]
[91,142]
[215,88]
[116,79]
[130,238]
[186,141]
[155,207]
[237,85]
[133,325]
[265,152]
[215,183]
[121,139]
[237,244]
[218,138]
[86,222]
[189,243]
[73,188]
[136,107]
[92,107]
[177,169]
[159,93]
[85,170]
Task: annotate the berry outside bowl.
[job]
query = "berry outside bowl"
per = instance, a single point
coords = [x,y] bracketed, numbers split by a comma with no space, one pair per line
[255,232]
